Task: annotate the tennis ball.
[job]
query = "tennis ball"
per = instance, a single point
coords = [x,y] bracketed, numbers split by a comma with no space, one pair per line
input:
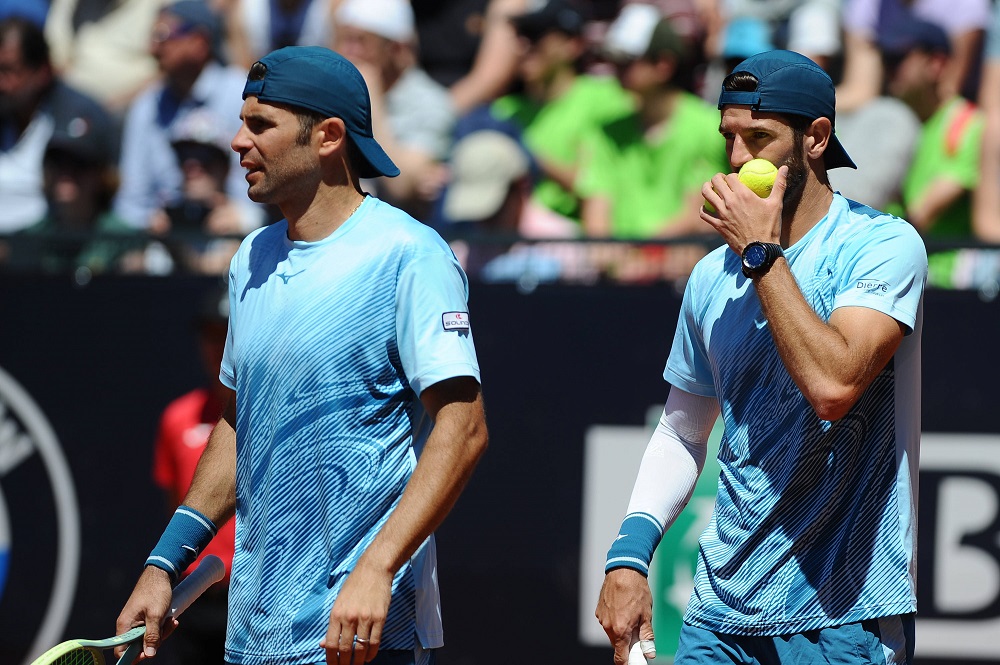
[759,175]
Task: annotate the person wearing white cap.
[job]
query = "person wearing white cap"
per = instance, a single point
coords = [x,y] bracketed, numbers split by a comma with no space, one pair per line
[412,114]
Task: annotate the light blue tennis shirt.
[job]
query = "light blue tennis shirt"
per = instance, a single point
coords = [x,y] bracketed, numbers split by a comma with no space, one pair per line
[330,344]
[815,521]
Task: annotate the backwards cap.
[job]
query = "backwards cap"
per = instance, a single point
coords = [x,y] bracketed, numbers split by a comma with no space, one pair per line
[317,79]
[790,83]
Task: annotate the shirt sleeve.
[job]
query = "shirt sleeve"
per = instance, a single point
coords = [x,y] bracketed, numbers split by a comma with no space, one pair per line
[885,270]
[688,366]
[433,330]
[227,372]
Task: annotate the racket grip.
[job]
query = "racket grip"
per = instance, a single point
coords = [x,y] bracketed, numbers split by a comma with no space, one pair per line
[209,571]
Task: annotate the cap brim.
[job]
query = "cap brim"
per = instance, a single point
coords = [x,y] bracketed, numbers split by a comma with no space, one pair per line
[836,156]
[376,162]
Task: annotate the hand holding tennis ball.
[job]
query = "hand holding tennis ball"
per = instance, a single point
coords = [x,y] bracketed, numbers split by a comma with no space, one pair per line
[758,175]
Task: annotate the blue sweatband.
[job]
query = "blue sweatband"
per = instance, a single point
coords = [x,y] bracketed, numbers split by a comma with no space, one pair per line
[633,548]
[187,533]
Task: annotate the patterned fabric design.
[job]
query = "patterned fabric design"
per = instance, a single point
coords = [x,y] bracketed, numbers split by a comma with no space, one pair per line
[320,354]
[815,522]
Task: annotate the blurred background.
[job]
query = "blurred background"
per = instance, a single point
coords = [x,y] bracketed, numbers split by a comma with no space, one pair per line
[560,147]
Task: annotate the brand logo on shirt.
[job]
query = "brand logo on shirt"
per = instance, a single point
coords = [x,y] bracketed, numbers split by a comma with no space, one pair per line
[873,286]
[457,321]
[285,277]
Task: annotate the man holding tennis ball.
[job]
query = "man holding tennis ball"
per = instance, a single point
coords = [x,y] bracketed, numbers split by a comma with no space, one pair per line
[803,332]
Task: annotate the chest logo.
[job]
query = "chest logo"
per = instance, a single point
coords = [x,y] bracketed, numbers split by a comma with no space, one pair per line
[285,277]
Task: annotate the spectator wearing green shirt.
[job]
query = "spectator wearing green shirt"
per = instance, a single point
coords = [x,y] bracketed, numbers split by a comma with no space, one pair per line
[558,105]
[641,175]
[937,190]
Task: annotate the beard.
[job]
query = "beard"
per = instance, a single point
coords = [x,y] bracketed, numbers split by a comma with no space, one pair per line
[795,181]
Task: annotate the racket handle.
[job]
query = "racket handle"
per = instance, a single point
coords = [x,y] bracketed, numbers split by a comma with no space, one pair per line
[209,571]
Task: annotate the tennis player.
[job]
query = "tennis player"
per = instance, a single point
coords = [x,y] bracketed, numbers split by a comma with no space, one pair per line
[804,331]
[349,355]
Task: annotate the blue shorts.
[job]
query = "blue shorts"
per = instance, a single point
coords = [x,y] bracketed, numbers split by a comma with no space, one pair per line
[875,641]
[418,656]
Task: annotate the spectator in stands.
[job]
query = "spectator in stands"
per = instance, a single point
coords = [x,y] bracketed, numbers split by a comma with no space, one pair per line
[490,196]
[558,105]
[78,230]
[202,225]
[185,42]
[986,198]
[181,438]
[101,47]
[641,175]
[883,157]
[937,190]
[810,27]
[864,21]
[412,115]
[254,28]
[469,46]
[32,101]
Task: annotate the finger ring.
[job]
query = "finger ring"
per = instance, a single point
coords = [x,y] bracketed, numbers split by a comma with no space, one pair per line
[360,640]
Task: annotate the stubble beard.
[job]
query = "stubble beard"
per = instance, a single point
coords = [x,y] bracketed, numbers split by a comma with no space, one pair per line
[795,181]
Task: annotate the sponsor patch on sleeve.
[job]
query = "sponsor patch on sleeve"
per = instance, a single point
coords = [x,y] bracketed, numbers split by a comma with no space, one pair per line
[872,286]
[458,321]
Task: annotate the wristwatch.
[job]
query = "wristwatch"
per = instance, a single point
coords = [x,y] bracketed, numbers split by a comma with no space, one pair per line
[758,257]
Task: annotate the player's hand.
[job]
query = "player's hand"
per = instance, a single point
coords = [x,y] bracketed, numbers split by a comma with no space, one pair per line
[358,616]
[148,604]
[740,215]
[625,606]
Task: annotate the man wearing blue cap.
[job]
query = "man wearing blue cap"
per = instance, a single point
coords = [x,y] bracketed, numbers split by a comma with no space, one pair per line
[803,332]
[349,351]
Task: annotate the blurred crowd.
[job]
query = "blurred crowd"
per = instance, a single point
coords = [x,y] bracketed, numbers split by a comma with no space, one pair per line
[547,140]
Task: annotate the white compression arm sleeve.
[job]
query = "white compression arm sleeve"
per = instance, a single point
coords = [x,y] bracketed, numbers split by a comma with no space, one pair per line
[667,475]
[674,457]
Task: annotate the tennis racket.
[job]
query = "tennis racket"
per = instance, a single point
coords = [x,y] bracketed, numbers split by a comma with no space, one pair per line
[91,652]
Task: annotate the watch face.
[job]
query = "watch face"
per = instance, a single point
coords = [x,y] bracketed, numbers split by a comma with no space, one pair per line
[754,256]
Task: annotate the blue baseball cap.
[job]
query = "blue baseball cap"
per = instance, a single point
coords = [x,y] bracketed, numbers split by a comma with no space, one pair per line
[317,79]
[790,83]
[912,34]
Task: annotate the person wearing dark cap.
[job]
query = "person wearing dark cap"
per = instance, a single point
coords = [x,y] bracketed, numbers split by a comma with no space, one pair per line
[79,231]
[936,195]
[640,174]
[803,331]
[559,105]
[33,100]
[186,42]
[351,359]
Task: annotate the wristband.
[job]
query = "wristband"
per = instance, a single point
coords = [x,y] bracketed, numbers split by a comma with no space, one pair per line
[187,533]
[633,548]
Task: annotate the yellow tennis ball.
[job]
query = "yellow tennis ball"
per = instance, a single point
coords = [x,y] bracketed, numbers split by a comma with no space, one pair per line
[759,175]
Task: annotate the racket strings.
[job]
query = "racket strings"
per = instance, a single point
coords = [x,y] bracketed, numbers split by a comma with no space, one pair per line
[81,656]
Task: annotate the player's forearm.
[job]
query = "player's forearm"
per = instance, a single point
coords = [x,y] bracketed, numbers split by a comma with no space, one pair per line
[213,489]
[830,374]
[666,480]
[446,463]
